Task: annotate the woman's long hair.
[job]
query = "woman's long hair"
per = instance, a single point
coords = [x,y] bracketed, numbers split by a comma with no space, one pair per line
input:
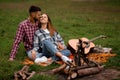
[49,26]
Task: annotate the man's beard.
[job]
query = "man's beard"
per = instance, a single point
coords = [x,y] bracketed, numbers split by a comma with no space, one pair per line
[35,19]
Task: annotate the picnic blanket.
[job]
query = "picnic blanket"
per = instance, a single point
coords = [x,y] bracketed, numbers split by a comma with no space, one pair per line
[97,57]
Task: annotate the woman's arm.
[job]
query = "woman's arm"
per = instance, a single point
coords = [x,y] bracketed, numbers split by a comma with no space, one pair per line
[60,41]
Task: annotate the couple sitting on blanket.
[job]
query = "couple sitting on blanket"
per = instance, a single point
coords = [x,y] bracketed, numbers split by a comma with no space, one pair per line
[40,38]
[49,41]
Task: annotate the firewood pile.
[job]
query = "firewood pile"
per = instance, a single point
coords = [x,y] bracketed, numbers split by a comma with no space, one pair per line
[73,72]
[23,74]
[79,71]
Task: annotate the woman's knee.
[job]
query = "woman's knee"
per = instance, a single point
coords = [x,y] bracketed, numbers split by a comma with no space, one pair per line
[48,45]
[66,52]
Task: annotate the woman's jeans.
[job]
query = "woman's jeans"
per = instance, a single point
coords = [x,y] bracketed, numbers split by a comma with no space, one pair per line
[49,50]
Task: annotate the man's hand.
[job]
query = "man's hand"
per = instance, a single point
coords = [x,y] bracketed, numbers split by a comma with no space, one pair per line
[33,54]
[60,46]
[11,59]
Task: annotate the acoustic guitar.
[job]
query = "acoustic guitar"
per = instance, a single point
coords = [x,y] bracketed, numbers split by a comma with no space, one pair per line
[86,44]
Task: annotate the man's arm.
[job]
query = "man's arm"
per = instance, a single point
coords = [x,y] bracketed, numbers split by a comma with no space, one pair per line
[18,39]
[35,46]
[36,42]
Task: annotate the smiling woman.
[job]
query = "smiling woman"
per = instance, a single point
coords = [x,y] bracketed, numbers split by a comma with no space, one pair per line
[49,41]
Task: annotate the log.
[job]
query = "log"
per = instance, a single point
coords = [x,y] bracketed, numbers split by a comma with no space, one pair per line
[61,68]
[81,67]
[88,71]
[84,72]
[16,76]
[72,75]
[31,75]
[25,68]
[54,71]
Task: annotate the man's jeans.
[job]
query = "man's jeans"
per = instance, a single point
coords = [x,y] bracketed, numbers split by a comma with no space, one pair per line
[38,55]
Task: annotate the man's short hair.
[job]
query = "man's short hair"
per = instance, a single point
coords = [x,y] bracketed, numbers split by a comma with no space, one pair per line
[34,9]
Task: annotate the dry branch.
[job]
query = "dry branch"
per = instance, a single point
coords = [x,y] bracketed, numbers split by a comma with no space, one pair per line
[81,67]
[61,68]
[54,71]
[31,75]
[23,74]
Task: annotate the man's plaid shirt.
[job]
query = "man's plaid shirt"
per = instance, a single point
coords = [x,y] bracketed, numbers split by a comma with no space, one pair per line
[41,35]
[25,34]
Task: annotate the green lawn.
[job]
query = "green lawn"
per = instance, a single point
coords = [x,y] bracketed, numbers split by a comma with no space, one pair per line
[72,18]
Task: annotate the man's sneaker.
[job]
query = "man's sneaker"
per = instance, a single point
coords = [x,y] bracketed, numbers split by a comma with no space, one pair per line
[41,59]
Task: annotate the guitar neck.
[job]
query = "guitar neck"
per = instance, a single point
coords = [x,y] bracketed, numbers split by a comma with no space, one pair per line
[101,36]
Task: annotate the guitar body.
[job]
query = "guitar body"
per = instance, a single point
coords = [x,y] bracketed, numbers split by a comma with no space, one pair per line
[73,45]
[82,47]
[87,49]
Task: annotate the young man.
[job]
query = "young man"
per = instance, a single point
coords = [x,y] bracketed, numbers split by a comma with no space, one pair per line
[25,32]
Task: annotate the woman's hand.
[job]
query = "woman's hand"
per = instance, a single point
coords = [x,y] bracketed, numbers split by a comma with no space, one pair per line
[33,54]
[60,46]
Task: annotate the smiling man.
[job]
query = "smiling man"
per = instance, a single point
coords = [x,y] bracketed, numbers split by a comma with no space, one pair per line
[25,32]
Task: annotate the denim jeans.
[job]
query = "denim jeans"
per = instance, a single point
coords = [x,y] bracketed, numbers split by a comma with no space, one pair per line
[49,50]
[38,55]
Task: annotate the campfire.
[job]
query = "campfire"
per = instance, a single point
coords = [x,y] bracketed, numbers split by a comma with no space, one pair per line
[84,63]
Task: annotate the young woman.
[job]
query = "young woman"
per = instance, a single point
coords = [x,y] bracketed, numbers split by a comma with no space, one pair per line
[49,41]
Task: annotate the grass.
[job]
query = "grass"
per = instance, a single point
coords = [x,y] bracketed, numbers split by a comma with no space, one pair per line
[72,18]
